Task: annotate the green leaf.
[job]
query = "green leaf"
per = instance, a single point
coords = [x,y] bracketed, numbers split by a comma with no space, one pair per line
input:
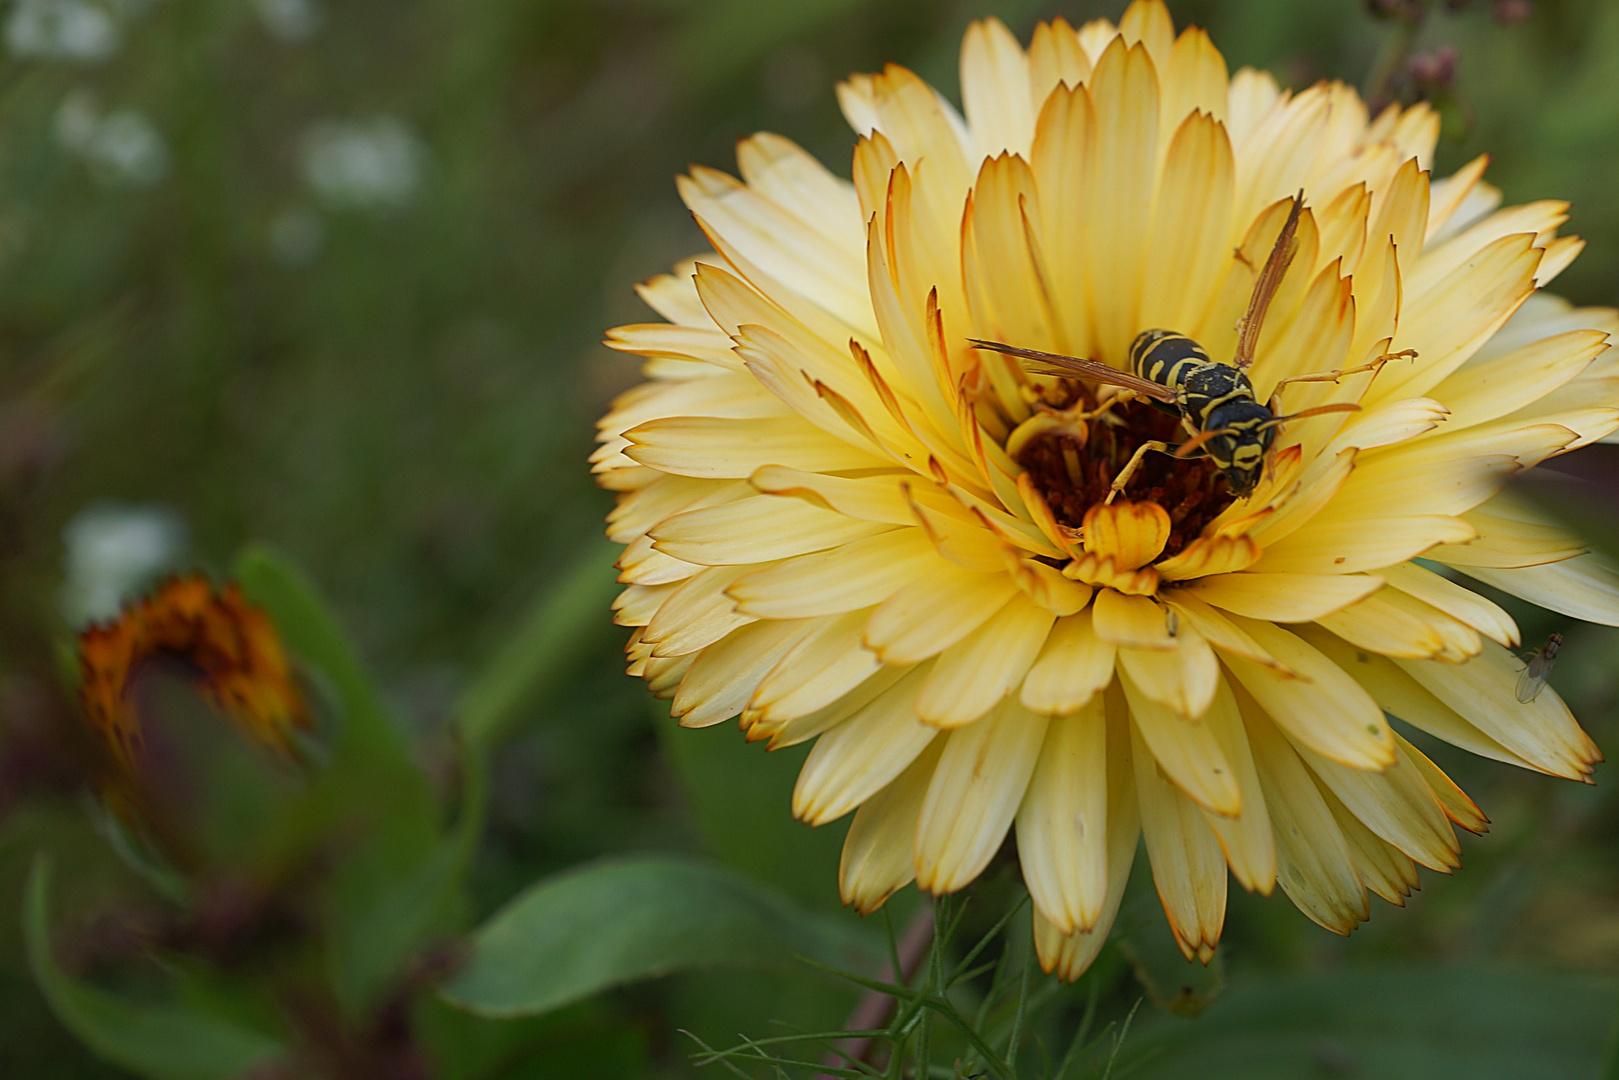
[741,798]
[387,887]
[566,623]
[1392,1024]
[163,1042]
[614,922]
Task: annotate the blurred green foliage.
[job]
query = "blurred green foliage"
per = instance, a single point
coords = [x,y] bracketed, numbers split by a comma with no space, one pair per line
[330,277]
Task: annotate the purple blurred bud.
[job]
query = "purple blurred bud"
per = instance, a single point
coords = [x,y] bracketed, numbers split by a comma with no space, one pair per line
[1512,11]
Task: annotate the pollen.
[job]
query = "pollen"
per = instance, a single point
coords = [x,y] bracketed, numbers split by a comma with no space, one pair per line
[1074,475]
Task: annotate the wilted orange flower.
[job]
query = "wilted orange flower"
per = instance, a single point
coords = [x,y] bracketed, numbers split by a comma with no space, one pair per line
[230,646]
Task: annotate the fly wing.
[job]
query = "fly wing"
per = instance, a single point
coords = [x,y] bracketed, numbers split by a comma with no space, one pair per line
[1269,280]
[1074,367]
[1532,680]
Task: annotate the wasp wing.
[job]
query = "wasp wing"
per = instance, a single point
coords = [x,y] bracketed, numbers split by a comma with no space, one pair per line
[1269,280]
[1074,367]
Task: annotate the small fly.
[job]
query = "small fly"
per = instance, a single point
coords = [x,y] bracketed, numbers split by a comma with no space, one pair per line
[1539,669]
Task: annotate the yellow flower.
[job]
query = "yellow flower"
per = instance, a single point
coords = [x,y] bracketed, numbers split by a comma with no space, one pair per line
[844,523]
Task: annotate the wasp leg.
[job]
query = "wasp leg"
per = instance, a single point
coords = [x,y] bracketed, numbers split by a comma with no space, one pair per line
[1338,373]
[1132,465]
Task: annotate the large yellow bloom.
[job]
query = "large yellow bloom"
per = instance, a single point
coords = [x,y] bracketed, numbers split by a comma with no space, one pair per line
[842,523]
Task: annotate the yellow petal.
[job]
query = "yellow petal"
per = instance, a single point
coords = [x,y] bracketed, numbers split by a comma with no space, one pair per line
[637,511]
[641,565]
[1197,78]
[1483,690]
[816,673]
[703,344]
[974,674]
[977,787]
[1247,839]
[1449,324]
[755,530]
[674,296]
[1187,752]
[1062,159]
[1457,806]
[724,676]
[1396,804]
[793,252]
[1131,534]
[1584,588]
[1381,626]
[853,575]
[859,757]
[1487,390]
[724,449]
[1125,91]
[1401,696]
[1315,865]
[696,614]
[1187,864]
[1062,826]
[1325,710]
[1072,666]
[1384,868]
[758,725]
[1208,555]
[995,89]
[1282,597]
[877,859]
[928,616]
[1069,955]
[1503,543]
[1184,679]
[1134,622]
[1220,631]
[1055,56]
[792,178]
[1344,543]
[1461,604]
[1189,244]
[636,605]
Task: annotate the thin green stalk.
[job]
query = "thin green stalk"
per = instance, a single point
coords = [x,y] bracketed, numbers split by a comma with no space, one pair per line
[1017,1018]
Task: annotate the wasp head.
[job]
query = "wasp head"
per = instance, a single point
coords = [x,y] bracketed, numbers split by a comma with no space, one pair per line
[1247,429]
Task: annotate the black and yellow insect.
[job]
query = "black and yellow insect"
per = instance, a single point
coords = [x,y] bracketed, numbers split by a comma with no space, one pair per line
[1214,401]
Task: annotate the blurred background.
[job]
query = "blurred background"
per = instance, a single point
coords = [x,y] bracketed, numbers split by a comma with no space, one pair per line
[333,276]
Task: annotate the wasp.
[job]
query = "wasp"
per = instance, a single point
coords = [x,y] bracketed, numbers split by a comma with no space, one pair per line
[1533,679]
[1215,402]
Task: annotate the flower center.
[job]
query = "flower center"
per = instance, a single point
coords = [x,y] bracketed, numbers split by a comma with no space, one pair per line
[1073,464]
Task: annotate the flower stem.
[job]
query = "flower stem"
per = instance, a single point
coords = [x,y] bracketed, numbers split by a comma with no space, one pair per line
[875,1007]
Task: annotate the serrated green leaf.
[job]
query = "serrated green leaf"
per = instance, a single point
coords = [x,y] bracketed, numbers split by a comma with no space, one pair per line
[162,1042]
[615,922]
[1392,1024]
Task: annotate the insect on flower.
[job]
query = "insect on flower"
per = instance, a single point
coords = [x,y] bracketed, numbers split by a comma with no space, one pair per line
[1214,401]
[1538,670]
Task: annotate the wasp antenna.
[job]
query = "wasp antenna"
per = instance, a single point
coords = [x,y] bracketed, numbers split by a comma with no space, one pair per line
[1319,410]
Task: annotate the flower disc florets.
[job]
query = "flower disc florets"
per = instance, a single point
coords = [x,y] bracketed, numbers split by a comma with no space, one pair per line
[844,523]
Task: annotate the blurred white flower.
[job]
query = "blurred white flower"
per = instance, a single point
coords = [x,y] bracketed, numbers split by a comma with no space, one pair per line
[372,164]
[112,551]
[61,30]
[291,20]
[296,236]
[121,147]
